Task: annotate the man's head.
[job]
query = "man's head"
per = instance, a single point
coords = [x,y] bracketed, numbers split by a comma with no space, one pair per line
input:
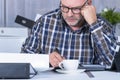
[71,11]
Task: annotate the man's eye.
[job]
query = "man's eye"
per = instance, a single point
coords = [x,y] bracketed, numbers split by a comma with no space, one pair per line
[76,9]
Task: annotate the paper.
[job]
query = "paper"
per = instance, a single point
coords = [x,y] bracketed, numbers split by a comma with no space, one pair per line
[38,61]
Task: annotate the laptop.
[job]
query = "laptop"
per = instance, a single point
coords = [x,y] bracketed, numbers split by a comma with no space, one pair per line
[15,71]
[39,61]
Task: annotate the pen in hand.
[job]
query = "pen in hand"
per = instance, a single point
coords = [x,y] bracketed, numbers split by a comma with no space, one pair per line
[57,50]
[58,57]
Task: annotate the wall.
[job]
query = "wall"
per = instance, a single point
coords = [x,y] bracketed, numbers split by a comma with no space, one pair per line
[1,13]
[101,4]
[29,8]
[26,8]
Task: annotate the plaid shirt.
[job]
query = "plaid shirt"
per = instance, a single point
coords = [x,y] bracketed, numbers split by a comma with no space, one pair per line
[90,44]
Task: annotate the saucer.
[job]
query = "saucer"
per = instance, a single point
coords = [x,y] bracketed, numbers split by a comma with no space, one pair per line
[70,71]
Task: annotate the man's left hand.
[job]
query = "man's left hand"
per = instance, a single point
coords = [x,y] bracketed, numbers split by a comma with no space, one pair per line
[89,14]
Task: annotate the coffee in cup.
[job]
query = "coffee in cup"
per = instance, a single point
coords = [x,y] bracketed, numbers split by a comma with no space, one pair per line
[71,64]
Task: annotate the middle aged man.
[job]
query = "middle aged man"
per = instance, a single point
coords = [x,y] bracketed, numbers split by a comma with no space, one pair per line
[73,31]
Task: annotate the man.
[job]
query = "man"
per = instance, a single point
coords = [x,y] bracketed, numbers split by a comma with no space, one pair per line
[72,32]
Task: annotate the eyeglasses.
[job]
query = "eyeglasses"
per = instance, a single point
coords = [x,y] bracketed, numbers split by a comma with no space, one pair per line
[75,10]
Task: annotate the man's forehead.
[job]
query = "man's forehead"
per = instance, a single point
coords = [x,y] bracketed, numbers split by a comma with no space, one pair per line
[73,3]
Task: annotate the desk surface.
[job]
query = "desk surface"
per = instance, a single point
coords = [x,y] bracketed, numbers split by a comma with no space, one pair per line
[98,75]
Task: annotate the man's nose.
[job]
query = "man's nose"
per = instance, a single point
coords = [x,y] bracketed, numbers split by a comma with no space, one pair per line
[70,13]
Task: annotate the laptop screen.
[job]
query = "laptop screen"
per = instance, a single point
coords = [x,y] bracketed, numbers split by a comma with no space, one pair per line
[38,61]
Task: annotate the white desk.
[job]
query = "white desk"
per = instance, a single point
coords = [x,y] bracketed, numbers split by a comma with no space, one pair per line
[98,75]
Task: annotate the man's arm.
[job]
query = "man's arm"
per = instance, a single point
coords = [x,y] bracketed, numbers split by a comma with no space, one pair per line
[32,43]
[102,34]
[104,42]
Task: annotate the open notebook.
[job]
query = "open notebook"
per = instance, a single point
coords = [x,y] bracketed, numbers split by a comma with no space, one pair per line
[38,61]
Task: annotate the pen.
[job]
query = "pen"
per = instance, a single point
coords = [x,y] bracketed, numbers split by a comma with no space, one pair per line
[57,50]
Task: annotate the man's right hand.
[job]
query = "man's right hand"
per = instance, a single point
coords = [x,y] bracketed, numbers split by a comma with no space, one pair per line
[55,58]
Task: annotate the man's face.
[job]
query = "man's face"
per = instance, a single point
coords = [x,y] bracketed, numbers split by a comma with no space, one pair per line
[72,16]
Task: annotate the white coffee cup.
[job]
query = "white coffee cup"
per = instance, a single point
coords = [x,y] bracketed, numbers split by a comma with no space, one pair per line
[71,64]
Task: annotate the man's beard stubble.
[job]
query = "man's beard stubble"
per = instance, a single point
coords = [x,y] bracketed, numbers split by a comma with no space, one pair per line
[79,23]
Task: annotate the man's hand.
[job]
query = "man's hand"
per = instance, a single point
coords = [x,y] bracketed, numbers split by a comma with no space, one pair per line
[55,58]
[89,13]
